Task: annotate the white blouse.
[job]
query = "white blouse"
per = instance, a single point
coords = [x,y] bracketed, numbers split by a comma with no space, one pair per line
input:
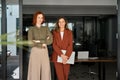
[62,33]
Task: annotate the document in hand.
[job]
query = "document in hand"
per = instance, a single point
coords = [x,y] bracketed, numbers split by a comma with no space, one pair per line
[71,60]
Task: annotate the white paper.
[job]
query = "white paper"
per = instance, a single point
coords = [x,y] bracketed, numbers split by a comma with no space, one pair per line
[83,55]
[71,59]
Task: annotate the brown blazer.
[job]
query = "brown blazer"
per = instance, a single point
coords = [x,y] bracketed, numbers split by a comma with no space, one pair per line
[65,44]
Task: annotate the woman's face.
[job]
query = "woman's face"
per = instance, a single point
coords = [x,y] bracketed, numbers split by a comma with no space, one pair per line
[61,23]
[40,19]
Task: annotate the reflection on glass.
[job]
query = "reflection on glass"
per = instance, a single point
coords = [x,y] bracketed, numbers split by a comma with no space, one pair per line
[12,27]
[70,26]
[12,38]
[51,26]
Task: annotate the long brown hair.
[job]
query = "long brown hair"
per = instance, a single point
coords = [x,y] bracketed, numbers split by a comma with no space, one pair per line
[57,25]
[35,17]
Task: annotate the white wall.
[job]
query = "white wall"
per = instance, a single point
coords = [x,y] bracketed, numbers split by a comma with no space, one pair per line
[69,2]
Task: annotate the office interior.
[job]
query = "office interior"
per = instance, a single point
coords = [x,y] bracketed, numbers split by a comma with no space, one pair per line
[94,25]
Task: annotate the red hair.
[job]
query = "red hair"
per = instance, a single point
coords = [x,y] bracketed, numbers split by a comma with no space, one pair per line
[35,17]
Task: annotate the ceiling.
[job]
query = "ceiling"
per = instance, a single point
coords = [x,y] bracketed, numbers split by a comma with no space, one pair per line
[70,10]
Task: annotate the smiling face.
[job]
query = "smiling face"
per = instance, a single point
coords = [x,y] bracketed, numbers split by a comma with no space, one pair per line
[40,19]
[61,23]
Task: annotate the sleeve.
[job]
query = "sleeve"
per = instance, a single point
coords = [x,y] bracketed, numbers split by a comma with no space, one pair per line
[30,33]
[30,37]
[70,46]
[55,47]
[50,40]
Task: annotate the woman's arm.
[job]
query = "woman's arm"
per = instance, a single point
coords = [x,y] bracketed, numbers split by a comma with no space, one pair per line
[30,37]
[49,38]
[70,46]
[55,47]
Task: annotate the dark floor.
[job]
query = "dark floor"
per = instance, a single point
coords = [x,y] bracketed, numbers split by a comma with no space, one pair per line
[78,70]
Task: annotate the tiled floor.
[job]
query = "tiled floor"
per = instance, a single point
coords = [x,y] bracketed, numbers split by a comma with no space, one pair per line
[80,71]
[77,71]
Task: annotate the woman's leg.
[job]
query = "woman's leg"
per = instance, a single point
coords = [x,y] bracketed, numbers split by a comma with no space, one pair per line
[66,70]
[34,65]
[59,70]
[45,66]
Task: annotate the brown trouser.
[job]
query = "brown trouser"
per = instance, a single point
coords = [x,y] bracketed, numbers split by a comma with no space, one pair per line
[62,70]
[39,65]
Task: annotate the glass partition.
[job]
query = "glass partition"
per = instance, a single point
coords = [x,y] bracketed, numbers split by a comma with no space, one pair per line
[12,14]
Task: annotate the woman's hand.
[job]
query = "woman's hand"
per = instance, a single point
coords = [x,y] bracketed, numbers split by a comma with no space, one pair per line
[48,38]
[33,43]
[44,45]
[64,58]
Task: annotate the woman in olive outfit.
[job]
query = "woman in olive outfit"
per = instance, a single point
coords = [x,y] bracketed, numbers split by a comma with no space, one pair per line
[39,37]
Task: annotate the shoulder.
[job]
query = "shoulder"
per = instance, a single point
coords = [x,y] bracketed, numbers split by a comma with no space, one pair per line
[68,31]
[55,32]
[45,27]
[31,28]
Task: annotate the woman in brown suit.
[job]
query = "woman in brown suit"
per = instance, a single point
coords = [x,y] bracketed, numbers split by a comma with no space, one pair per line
[62,40]
[39,37]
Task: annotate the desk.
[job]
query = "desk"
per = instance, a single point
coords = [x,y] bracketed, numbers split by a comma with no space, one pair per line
[101,65]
